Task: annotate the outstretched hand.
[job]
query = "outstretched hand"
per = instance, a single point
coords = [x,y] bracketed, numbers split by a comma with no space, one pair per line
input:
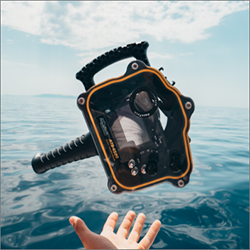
[122,239]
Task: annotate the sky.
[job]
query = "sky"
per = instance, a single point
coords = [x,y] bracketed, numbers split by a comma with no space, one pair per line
[202,46]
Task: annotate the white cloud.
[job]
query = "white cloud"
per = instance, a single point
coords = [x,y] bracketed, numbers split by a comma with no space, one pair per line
[10,41]
[187,54]
[9,63]
[23,16]
[85,25]
[153,55]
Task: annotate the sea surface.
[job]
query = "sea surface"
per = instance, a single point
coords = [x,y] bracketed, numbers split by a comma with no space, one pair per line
[212,211]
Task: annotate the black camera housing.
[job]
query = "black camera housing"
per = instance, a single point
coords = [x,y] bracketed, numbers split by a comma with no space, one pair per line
[123,117]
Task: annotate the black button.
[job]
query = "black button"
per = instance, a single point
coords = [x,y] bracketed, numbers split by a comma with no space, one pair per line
[175,162]
[151,168]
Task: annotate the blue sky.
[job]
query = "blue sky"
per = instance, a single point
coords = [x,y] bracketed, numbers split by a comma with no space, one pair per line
[202,46]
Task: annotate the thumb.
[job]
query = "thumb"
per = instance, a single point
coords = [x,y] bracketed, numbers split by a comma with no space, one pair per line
[89,239]
[80,227]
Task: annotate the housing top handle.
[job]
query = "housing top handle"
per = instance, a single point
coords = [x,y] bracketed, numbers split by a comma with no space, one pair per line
[136,50]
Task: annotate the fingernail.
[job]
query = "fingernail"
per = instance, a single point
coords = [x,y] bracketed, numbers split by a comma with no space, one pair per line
[71,221]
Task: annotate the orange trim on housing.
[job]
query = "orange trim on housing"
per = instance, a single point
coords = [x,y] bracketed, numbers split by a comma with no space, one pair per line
[185,137]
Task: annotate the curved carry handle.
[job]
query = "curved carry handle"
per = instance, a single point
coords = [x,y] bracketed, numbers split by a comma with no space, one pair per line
[137,50]
[80,148]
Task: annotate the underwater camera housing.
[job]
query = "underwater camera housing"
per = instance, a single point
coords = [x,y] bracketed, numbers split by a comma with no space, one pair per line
[123,117]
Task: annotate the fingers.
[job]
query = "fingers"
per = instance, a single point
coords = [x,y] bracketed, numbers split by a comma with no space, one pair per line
[126,224]
[137,228]
[110,222]
[149,238]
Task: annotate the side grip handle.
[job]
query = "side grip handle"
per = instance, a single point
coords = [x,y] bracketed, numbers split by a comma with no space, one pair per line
[80,148]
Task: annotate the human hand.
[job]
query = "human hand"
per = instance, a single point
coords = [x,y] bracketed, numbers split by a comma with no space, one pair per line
[122,239]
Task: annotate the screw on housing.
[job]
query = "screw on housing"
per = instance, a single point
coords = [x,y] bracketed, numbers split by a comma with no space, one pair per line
[113,188]
[134,66]
[181,183]
[188,105]
[81,100]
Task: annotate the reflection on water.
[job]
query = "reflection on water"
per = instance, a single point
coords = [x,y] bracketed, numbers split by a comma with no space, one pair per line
[212,211]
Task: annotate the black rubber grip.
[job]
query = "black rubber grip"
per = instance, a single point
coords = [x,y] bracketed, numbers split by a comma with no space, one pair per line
[80,148]
[136,50]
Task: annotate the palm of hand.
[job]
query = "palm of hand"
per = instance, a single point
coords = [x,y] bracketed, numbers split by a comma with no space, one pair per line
[120,239]
[121,243]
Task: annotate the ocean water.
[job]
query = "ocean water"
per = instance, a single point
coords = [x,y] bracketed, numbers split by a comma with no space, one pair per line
[212,211]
